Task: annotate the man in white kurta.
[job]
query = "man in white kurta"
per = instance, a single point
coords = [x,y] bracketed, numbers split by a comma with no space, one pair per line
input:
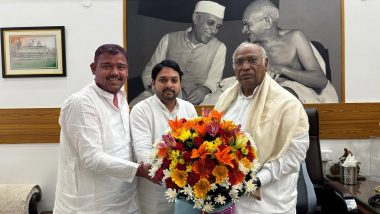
[278,124]
[149,121]
[199,53]
[96,173]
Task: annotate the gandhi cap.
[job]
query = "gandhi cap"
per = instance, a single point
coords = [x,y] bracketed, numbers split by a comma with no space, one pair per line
[211,8]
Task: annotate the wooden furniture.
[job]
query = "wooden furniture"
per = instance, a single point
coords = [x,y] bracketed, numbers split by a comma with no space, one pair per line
[362,191]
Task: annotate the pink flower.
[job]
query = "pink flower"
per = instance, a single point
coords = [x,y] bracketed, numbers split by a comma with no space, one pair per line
[213,128]
[169,140]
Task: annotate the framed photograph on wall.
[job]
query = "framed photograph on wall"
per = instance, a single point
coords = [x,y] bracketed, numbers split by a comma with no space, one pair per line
[33,51]
[321,23]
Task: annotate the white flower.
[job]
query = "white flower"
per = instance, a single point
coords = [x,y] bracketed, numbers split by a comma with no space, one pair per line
[153,155]
[155,166]
[167,174]
[198,203]
[220,199]
[208,207]
[234,193]
[242,168]
[225,184]
[238,186]
[171,194]
[213,186]
[188,190]
[250,187]
[255,166]
[153,170]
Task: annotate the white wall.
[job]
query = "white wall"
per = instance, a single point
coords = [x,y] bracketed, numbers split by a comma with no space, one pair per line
[87,28]
[362,30]
[362,72]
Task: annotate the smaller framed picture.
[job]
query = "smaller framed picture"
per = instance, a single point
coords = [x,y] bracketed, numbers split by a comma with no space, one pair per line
[33,51]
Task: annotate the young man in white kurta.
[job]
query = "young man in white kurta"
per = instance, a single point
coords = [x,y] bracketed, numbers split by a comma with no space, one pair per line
[149,121]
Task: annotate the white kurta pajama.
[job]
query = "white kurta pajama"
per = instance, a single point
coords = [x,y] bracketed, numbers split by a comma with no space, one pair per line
[278,175]
[95,173]
[149,121]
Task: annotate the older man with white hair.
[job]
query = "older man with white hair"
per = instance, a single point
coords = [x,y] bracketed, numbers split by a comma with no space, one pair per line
[198,52]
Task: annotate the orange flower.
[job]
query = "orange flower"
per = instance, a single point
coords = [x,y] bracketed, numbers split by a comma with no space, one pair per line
[201,188]
[216,115]
[224,157]
[221,173]
[200,152]
[227,125]
[201,129]
[162,153]
[200,167]
[179,177]
[175,124]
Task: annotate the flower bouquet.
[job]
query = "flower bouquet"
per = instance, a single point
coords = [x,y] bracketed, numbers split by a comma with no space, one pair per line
[207,161]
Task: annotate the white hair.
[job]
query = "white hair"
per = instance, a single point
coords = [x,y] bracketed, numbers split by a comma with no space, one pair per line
[263,52]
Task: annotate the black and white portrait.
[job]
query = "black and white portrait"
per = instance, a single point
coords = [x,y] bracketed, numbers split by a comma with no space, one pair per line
[313,28]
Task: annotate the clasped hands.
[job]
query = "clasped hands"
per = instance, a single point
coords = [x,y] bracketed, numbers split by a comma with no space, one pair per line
[277,73]
[143,171]
[197,95]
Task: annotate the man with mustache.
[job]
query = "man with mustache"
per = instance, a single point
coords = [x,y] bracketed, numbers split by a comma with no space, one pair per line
[96,173]
[278,124]
[198,52]
[149,121]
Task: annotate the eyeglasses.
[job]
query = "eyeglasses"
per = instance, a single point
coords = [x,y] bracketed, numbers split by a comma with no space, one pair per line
[250,24]
[250,60]
[109,67]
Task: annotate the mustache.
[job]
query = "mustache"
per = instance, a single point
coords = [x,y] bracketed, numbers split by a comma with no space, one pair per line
[168,89]
[114,77]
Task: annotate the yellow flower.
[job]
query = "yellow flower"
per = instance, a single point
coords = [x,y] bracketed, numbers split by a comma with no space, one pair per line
[201,188]
[244,151]
[181,161]
[174,155]
[240,141]
[221,173]
[210,146]
[185,134]
[189,168]
[179,177]
[173,165]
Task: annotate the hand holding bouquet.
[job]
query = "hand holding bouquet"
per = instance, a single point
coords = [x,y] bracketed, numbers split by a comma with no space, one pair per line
[206,160]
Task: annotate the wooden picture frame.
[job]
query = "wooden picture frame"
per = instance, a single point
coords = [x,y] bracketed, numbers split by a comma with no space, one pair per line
[33,51]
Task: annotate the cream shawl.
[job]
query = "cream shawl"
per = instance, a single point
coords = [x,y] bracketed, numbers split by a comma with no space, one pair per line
[275,118]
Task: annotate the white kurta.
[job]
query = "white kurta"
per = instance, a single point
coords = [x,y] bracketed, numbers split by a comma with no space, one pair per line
[149,121]
[278,177]
[96,172]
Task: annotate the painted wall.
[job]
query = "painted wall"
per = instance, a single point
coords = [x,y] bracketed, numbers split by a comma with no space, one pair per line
[89,27]
[86,29]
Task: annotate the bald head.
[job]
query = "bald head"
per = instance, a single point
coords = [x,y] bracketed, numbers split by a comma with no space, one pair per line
[262,7]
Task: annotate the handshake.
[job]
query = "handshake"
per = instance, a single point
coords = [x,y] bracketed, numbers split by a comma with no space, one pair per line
[143,171]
